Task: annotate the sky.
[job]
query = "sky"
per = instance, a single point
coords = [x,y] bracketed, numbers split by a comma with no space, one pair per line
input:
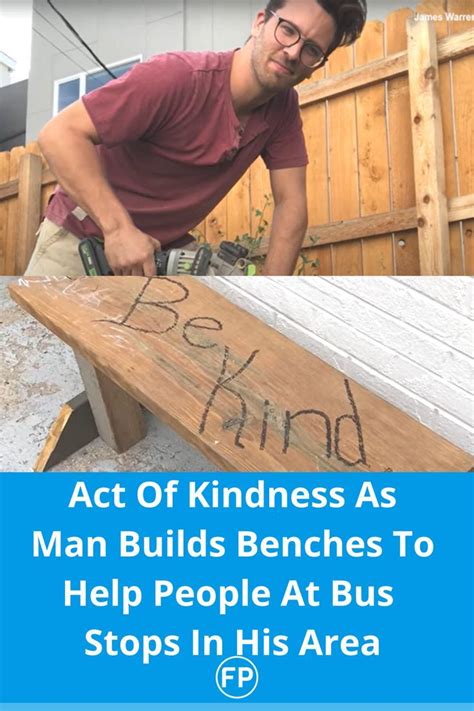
[15,34]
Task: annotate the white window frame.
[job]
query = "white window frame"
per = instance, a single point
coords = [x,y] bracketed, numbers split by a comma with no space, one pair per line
[82,78]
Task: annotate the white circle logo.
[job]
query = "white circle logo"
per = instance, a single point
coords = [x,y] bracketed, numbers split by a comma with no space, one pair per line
[237,677]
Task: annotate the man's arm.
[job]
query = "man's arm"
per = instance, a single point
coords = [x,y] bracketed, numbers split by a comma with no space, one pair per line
[68,144]
[290,221]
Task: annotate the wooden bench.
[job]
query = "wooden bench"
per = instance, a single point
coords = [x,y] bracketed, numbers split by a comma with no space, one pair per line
[248,397]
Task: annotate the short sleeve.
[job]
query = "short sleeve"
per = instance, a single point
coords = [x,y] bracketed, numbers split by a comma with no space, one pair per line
[141,101]
[286,145]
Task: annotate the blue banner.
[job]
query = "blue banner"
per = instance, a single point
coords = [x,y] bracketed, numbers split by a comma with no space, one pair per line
[315,589]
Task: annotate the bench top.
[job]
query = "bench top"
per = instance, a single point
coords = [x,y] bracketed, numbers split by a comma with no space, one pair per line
[245,395]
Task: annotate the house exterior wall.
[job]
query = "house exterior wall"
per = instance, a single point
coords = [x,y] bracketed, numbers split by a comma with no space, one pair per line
[13,115]
[408,340]
[4,75]
[118,30]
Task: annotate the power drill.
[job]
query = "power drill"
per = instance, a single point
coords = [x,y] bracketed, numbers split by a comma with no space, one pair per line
[231,259]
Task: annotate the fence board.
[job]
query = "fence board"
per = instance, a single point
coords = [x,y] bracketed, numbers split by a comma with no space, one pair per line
[4,177]
[445,70]
[314,125]
[468,242]
[343,165]
[216,223]
[427,132]
[29,204]
[442,31]
[396,65]
[11,241]
[463,77]
[238,208]
[377,253]
[402,178]
[361,189]
[259,187]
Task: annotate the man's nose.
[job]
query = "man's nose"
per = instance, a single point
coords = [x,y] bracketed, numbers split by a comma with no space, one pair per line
[293,52]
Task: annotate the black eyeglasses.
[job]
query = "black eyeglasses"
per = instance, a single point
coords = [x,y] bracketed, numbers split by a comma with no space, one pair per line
[288,35]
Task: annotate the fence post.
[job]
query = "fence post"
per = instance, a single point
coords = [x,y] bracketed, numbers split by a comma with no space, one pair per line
[428,148]
[29,209]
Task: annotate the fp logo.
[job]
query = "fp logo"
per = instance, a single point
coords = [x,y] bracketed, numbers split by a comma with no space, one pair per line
[237,677]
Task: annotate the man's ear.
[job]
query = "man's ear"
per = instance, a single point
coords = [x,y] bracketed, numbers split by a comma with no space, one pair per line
[258,23]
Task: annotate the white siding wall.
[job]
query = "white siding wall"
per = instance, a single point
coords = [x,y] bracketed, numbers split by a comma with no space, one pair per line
[409,340]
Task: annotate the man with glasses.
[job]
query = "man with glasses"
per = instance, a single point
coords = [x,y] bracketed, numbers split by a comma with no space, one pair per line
[145,158]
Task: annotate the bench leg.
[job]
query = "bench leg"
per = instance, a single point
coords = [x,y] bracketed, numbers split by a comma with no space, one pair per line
[118,416]
[73,428]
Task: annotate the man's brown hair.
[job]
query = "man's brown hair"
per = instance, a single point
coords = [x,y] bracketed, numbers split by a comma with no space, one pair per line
[349,16]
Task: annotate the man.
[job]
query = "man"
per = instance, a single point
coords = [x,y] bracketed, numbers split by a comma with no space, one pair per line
[145,158]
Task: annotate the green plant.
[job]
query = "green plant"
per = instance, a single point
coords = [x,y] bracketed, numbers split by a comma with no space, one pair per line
[254,242]
[305,262]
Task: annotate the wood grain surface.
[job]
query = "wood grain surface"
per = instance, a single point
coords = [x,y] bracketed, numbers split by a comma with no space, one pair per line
[245,395]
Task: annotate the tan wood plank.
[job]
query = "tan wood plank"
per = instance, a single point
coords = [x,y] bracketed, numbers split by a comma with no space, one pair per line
[9,188]
[4,176]
[12,233]
[462,21]
[238,208]
[29,209]
[216,223]
[118,416]
[407,256]
[377,254]
[259,189]
[314,126]
[395,65]
[428,150]
[343,165]
[402,178]
[222,379]
[373,225]
[463,77]
[440,8]
[199,232]
[468,242]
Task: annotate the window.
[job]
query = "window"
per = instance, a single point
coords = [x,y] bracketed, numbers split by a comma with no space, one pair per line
[68,90]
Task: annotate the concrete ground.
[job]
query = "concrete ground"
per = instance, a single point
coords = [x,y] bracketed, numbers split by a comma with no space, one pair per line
[38,374]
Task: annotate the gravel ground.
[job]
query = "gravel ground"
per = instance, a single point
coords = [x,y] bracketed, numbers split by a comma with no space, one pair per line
[38,374]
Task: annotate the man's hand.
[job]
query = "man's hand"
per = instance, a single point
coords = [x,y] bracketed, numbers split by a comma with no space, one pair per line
[129,252]
[68,142]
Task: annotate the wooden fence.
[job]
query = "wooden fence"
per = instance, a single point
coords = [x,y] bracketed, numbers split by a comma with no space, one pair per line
[391,176]
[25,186]
[389,129]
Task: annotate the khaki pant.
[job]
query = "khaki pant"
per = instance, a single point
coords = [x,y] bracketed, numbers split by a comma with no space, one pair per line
[56,253]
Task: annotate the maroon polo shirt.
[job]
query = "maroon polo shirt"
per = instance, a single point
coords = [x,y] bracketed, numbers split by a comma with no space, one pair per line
[171,145]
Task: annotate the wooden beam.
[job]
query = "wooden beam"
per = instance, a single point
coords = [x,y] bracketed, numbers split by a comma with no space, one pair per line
[396,65]
[459,208]
[118,416]
[372,73]
[73,428]
[29,209]
[428,150]
[245,395]
[10,189]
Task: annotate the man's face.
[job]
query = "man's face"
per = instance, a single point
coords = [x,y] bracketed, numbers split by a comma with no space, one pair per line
[277,67]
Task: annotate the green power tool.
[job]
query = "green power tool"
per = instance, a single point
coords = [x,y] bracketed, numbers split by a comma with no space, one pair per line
[231,259]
